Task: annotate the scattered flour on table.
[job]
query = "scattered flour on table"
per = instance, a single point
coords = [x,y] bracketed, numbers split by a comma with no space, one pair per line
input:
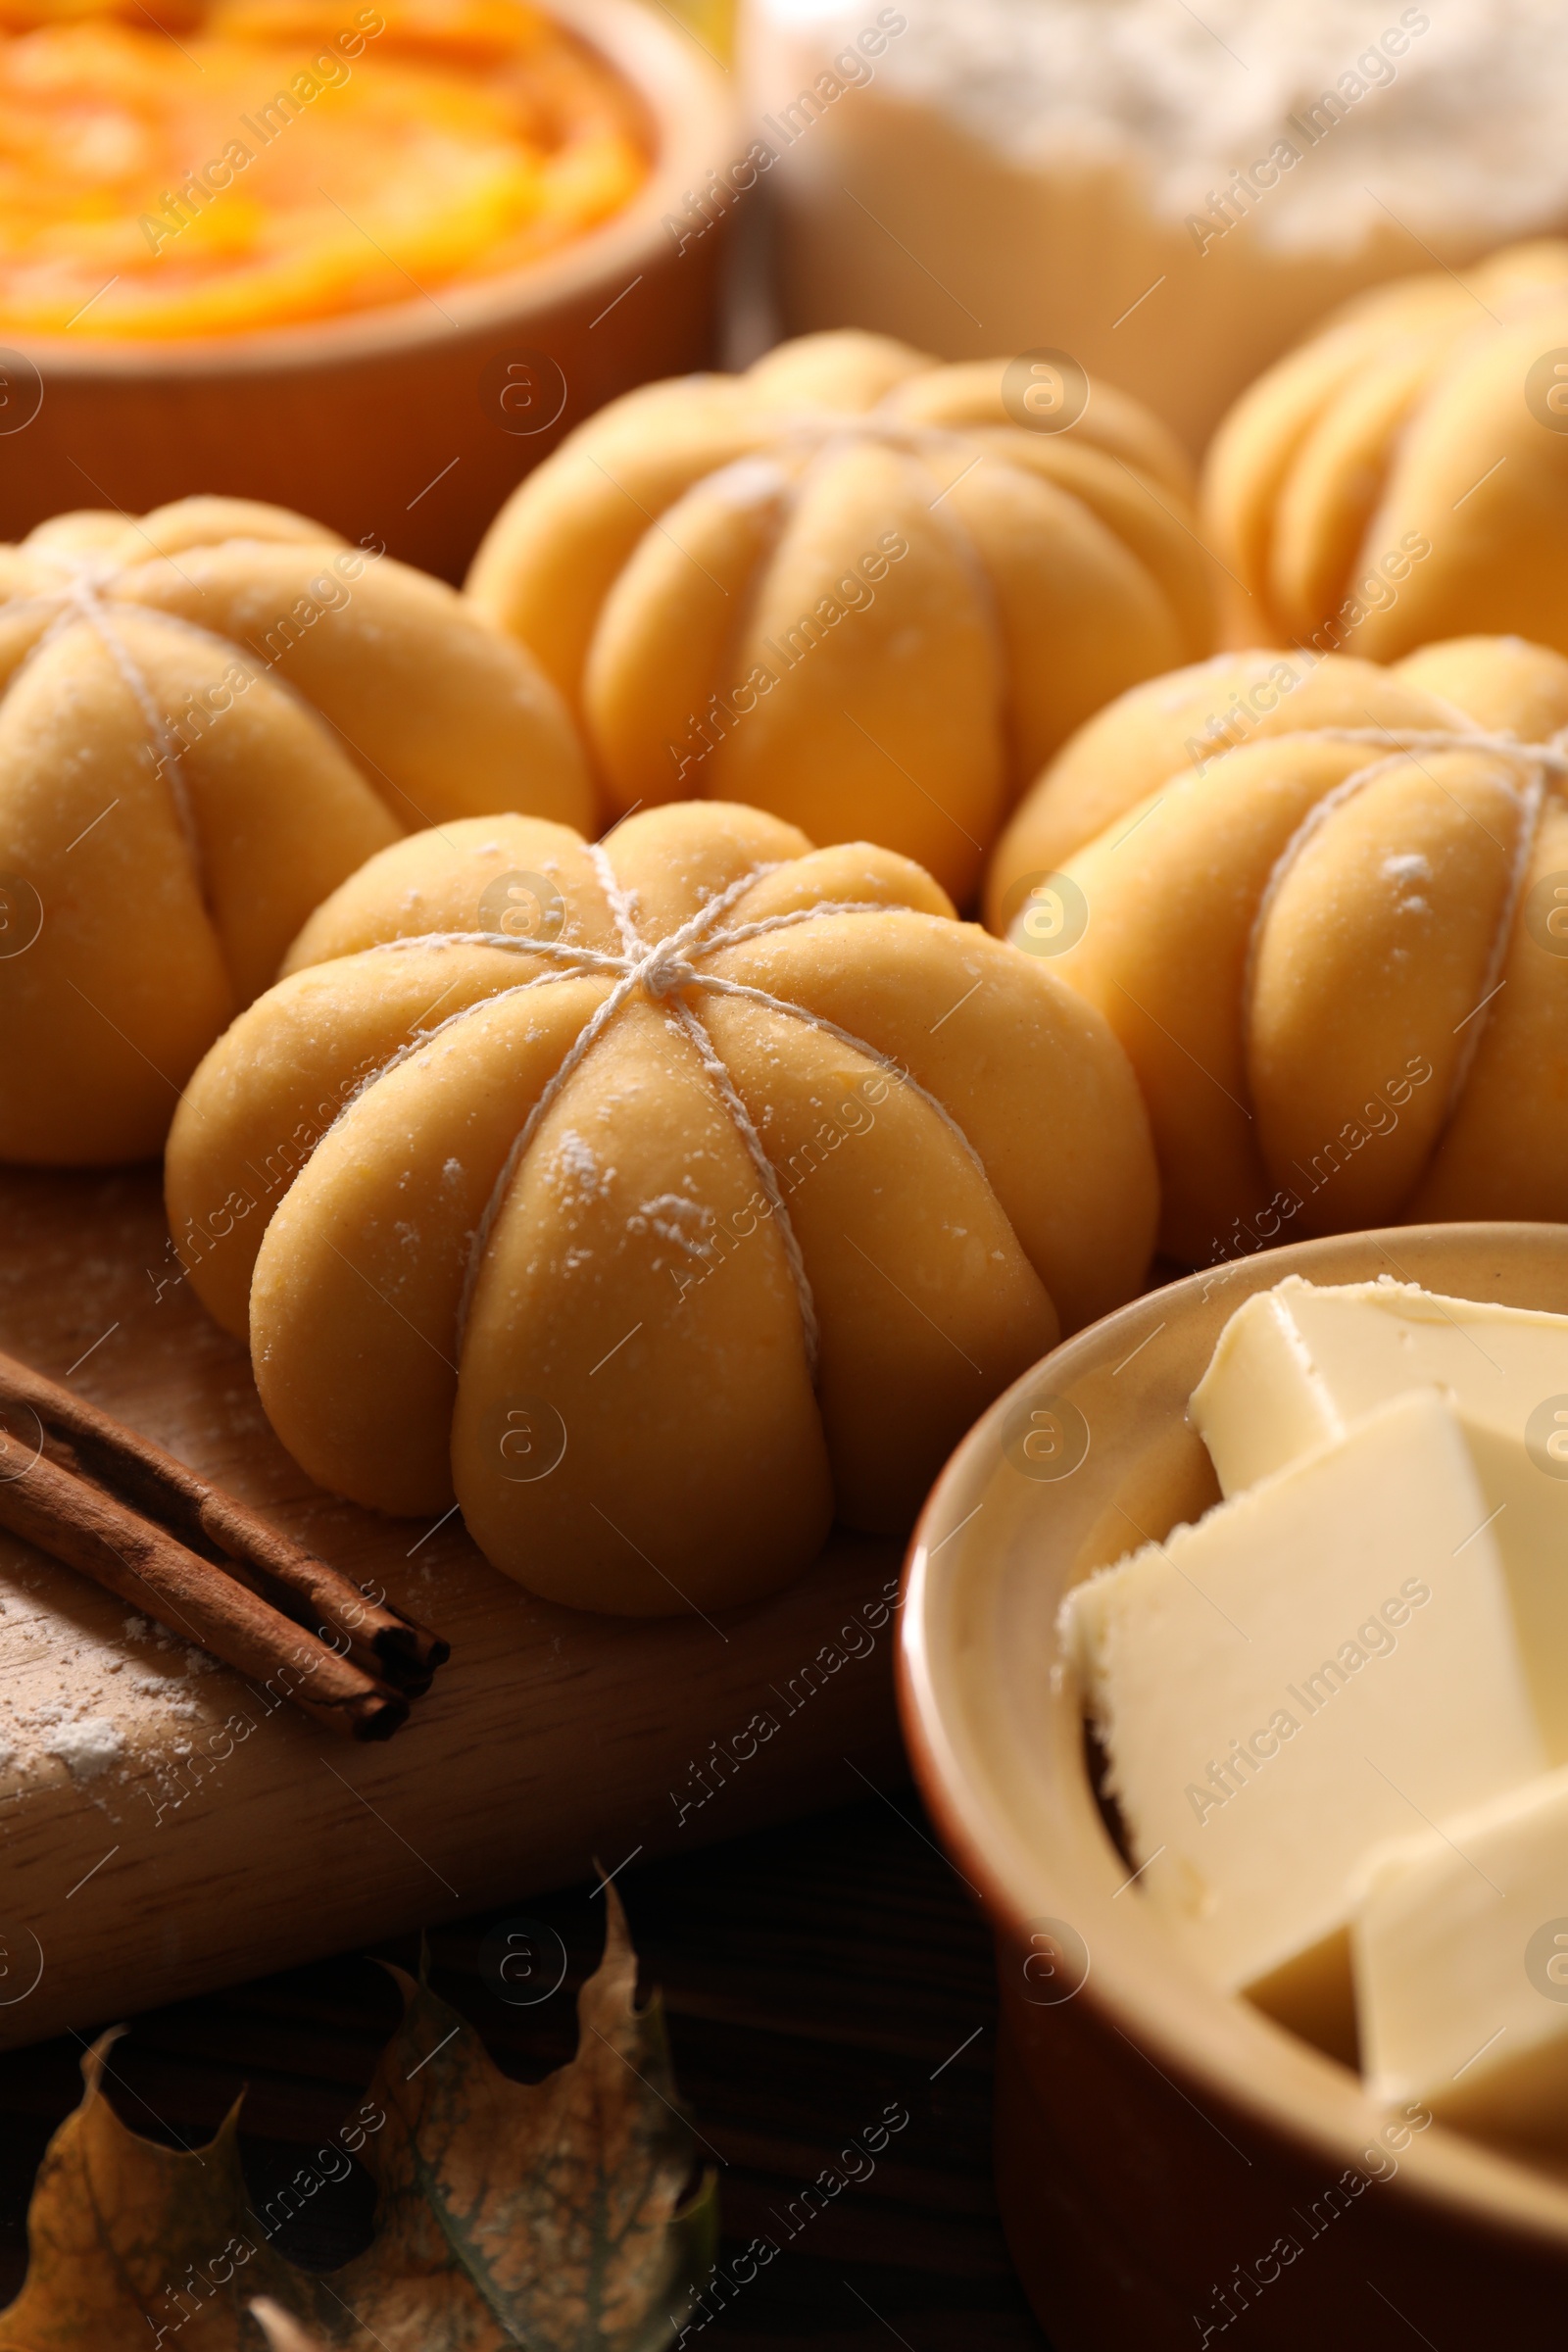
[86,1747]
[106,1697]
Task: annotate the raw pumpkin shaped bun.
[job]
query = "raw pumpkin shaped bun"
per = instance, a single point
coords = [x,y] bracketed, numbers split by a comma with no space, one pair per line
[690,1192]
[848,587]
[1340,968]
[1402,477]
[208,719]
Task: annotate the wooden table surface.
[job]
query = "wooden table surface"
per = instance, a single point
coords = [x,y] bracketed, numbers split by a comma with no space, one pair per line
[812,1975]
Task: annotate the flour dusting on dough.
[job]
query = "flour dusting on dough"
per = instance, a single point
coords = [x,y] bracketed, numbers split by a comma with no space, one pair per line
[579,1170]
[1402,868]
[675,1218]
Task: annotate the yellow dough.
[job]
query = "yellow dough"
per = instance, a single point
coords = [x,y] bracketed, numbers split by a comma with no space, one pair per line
[663,1201]
[208,719]
[1403,475]
[850,586]
[1339,966]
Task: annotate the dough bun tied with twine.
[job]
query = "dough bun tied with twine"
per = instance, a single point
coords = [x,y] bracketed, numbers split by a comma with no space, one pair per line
[658,1202]
[1324,906]
[1400,477]
[208,719]
[864,591]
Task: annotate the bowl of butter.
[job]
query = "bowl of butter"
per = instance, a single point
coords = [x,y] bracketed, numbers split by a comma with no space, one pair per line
[1234,1674]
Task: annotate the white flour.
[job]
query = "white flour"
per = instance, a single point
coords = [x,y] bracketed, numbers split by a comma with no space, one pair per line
[86,1747]
[1462,130]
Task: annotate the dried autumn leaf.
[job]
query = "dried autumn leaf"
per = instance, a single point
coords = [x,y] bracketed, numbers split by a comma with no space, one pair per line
[548,2214]
[118,2223]
[577,2240]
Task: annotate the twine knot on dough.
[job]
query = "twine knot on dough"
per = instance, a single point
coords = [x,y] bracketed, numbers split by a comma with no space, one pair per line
[664,971]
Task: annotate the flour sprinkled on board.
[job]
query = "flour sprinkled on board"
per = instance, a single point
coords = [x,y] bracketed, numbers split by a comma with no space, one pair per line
[86,1747]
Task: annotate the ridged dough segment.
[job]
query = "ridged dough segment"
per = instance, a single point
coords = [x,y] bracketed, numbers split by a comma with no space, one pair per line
[82,531]
[1056,573]
[669,870]
[517,874]
[1482,479]
[107,1009]
[26,620]
[279,814]
[926,1302]
[1519,272]
[354,1304]
[1142,518]
[685,1404]
[1329,494]
[1377,951]
[1396,477]
[1506,1151]
[667,630]
[1171,909]
[1191,718]
[1501,684]
[547,562]
[206,521]
[1252,454]
[842,368]
[853,873]
[1011,1053]
[874,623]
[440,716]
[1273,426]
[272,1087]
[974,393]
[107,536]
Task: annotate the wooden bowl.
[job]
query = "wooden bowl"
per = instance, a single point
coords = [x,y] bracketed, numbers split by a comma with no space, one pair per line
[1171,2165]
[411,421]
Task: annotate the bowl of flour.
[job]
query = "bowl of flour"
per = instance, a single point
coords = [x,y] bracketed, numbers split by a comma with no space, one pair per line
[1172,197]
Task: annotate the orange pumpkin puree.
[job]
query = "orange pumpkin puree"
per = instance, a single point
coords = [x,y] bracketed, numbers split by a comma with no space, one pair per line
[168,168]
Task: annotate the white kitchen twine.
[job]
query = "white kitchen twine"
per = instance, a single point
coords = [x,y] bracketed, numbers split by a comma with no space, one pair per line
[1540,762]
[660,968]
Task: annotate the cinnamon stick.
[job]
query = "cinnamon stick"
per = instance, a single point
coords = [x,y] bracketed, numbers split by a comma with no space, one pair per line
[212,1526]
[81,1524]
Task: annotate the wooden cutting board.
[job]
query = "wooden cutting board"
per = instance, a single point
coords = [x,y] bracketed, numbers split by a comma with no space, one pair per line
[163,1833]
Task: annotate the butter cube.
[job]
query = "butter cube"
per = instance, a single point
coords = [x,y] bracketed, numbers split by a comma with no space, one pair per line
[1295,1365]
[1322,1664]
[1460,1951]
